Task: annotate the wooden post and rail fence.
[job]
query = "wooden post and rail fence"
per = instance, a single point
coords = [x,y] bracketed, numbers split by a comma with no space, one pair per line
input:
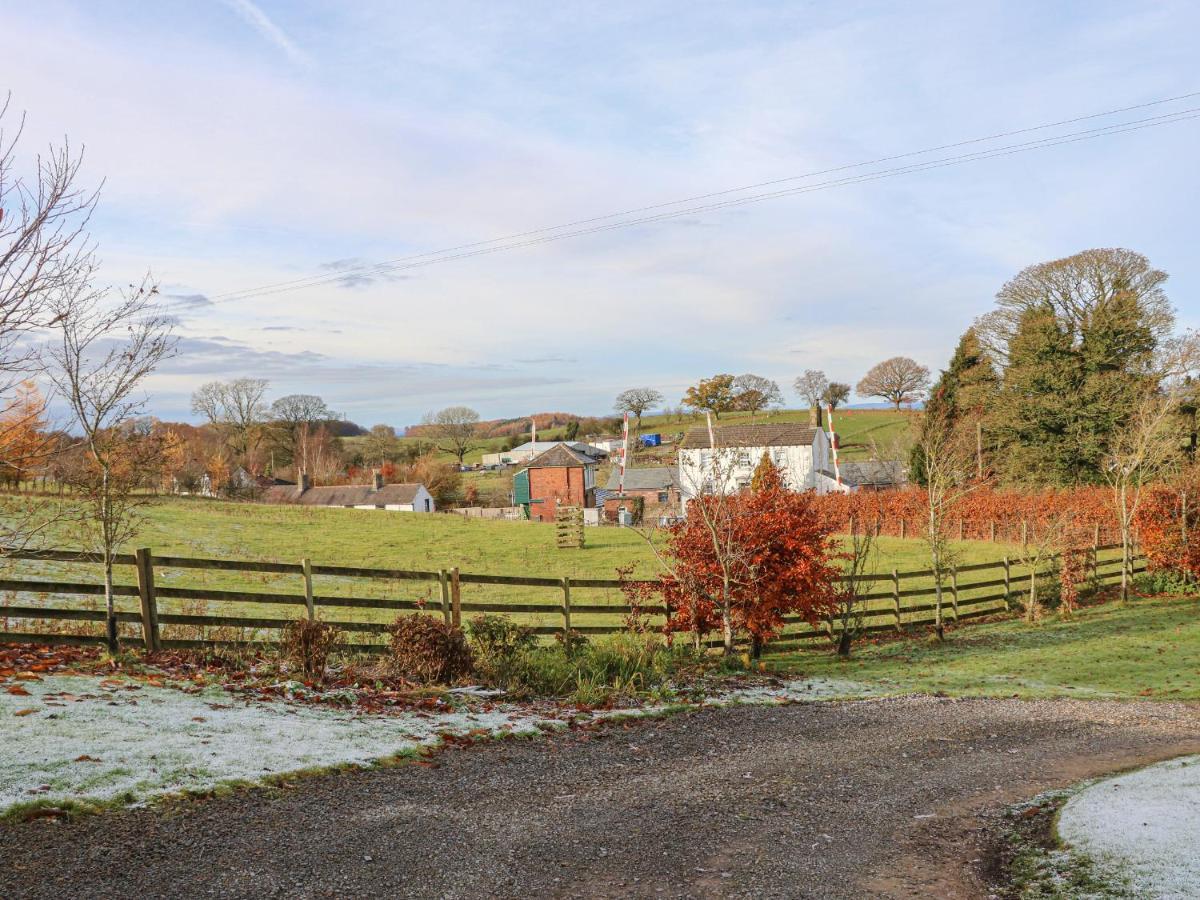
[888,607]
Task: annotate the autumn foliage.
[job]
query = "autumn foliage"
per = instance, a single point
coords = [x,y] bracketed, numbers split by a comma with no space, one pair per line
[1167,522]
[904,513]
[747,561]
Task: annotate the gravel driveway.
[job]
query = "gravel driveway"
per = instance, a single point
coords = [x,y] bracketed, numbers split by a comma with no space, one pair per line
[873,798]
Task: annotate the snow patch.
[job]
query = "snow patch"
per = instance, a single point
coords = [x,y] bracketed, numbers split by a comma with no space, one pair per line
[1143,826]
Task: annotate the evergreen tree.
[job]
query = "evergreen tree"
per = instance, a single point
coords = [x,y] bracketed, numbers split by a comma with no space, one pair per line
[963,392]
[1034,417]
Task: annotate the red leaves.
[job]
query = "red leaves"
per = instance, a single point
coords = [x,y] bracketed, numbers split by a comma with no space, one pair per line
[762,556]
[984,513]
[1166,523]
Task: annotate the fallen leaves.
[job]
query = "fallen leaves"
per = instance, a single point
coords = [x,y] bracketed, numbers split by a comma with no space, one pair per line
[17,691]
[25,712]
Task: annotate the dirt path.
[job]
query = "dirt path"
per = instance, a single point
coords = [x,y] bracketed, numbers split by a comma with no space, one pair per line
[879,798]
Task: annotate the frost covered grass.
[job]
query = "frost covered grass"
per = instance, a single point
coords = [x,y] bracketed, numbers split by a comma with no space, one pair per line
[1142,828]
[79,742]
[74,738]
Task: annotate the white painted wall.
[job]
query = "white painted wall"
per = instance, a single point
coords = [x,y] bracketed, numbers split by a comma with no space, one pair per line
[700,469]
[418,504]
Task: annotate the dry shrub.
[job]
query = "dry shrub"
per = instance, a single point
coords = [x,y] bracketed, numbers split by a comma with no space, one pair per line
[307,643]
[428,651]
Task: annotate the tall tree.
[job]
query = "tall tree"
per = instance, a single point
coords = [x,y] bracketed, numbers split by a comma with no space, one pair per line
[105,353]
[897,380]
[380,445]
[1032,417]
[963,393]
[23,441]
[237,409]
[714,395]
[1077,289]
[636,401]
[295,418]
[455,429]
[812,386]
[753,393]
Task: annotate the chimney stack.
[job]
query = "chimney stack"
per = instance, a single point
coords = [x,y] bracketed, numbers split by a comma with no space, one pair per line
[378,476]
[303,484]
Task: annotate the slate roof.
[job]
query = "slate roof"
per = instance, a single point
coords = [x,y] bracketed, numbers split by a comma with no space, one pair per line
[786,435]
[871,472]
[651,478]
[543,446]
[560,455]
[345,495]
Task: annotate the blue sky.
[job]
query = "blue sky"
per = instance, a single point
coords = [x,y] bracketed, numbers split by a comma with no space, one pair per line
[245,144]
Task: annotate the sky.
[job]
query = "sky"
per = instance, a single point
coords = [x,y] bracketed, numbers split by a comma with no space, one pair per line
[244,144]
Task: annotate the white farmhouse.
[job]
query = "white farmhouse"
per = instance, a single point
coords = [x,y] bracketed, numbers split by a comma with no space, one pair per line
[377,495]
[724,460]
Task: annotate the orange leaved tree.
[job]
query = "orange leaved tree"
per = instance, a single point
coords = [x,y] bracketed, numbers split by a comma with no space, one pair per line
[738,564]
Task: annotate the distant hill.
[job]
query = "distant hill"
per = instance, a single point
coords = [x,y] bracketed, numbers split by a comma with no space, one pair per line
[500,428]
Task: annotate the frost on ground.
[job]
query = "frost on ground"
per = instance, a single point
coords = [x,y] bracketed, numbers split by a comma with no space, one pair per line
[72,737]
[75,737]
[1143,826]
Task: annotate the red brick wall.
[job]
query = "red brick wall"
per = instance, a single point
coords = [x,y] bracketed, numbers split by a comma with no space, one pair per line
[555,486]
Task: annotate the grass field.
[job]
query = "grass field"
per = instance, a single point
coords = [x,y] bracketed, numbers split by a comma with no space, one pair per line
[368,538]
[1150,648]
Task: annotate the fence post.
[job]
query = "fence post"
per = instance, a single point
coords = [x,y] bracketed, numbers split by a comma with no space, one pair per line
[455,599]
[1007,585]
[960,528]
[903,528]
[992,525]
[444,581]
[1024,533]
[566,611]
[309,604]
[954,590]
[1096,552]
[145,576]
[896,598]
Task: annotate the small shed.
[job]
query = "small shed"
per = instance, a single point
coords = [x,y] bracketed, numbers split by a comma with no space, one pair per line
[559,477]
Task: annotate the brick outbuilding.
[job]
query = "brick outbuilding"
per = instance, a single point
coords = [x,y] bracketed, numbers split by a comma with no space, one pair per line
[559,477]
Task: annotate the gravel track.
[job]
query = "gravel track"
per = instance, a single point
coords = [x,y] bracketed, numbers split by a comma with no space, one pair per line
[871,798]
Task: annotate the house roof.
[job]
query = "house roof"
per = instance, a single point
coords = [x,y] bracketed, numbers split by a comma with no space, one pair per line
[560,455]
[786,435]
[542,446]
[651,478]
[345,495]
[873,472]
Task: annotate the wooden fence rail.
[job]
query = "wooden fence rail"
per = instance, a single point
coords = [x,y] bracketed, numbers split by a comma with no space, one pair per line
[893,607]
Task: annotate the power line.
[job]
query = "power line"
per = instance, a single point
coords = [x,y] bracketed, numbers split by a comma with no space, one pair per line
[559,232]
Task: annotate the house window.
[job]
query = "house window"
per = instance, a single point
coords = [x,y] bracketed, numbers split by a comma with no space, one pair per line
[743,458]
[662,497]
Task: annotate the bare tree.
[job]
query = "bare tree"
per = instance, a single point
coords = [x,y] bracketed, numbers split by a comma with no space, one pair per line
[455,428]
[897,380]
[236,408]
[636,401]
[380,445]
[107,350]
[295,418]
[1142,452]
[947,463]
[1076,288]
[754,393]
[812,386]
[862,559]
[44,253]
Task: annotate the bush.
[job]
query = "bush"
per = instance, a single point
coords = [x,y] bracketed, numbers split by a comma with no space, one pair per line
[428,651]
[307,644]
[1166,581]
[499,645]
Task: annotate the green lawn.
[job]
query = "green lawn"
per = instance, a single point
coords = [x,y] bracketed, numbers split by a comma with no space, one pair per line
[370,538]
[1150,648]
